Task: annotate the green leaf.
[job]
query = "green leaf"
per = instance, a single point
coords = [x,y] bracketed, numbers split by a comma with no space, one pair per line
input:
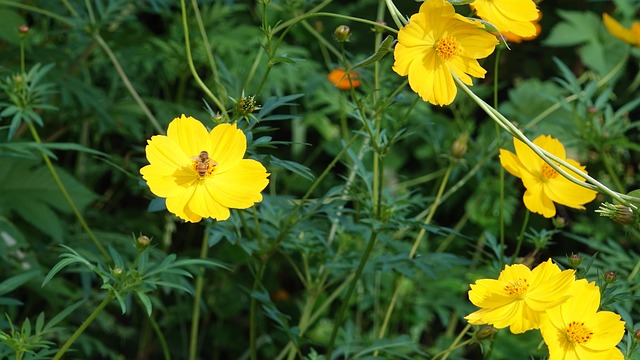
[28,189]
[9,22]
[16,281]
[146,302]
[383,49]
[578,27]
[63,314]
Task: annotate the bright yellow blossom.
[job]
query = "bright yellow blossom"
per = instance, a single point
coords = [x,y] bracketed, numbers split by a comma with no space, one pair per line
[437,42]
[576,330]
[200,173]
[520,296]
[545,185]
[515,16]
[631,36]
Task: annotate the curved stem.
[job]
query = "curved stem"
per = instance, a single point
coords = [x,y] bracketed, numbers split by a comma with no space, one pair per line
[520,237]
[194,73]
[547,157]
[66,195]
[127,83]
[84,325]
[195,315]
[161,338]
[253,331]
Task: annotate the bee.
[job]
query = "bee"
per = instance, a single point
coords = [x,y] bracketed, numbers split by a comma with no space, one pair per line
[202,162]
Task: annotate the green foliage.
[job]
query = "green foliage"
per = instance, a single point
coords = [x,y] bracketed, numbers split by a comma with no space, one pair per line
[380,211]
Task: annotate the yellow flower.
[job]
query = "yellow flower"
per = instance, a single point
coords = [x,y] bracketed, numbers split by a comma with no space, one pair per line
[576,330]
[513,38]
[437,42]
[515,16]
[202,174]
[631,36]
[544,185]
[520,296]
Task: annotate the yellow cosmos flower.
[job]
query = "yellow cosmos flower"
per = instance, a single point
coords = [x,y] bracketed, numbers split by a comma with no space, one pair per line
[576,330]
[514,16]
[437,42]
[203,174]
[544,185]
[520,296]
[631,36]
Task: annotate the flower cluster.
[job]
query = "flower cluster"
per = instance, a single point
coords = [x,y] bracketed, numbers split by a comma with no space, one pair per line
[552,300]
[438,43]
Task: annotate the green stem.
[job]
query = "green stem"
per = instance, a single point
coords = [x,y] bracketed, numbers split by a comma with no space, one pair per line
[520,237]
[547,157]
[612,173]
[161,338]
[127,83]
[194,73]
[84,325]
[454,345]
[414,249]
[253,331]
[207,45]
[496,71]
[37,10]
[195,315]
[66,195]
[340,317]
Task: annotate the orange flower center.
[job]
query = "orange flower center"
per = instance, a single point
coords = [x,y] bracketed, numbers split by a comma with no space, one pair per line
[519,287]
[448,48]
[548,172]
[578,333]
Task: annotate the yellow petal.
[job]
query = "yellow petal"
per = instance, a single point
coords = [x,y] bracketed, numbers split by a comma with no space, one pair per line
[228,146]
[510,162]
[205,205]
[616,29]
[607,329]
[163,152]
[529,159]
[178,205]
[565,192]
[537,202]
[240,187]
[509,15]
[190,134]
[165,185]
[550,144]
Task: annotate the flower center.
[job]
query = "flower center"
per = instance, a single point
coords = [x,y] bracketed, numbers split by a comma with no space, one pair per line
[448,48]
[203,165]
[578,333]
[548,172]
[518,288]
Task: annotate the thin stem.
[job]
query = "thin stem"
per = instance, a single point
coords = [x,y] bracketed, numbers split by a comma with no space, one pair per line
[206,42]
[496,71]
[194,73]
[161,338]
[253,331]
[127,83]
[547,157]
[84,325]
[195,315]
[454,345]
[354,282]
[38,11]
[520,237]
[66,195]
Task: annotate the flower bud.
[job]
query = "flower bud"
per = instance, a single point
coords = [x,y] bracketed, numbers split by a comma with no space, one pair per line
[378,29]
[142,242]
[23,29]
[575,260]
[459,147]
[342,33]
[636,336]
[246,105]
[218,118]
[619,213]
[116,272]
[485,332]
[610,277]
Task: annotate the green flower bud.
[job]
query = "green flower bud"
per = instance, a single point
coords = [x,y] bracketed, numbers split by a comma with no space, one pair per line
[610,277]
[246,105]
[575,260]
[459,147]
[619,213]
[342,33]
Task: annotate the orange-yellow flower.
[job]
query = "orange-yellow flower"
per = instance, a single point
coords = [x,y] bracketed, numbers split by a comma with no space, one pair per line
[203,174]
[520,296]
[513,38]
[340,80]
[576,330]
[436,43]
[545,185]
[515,16]
[631,36]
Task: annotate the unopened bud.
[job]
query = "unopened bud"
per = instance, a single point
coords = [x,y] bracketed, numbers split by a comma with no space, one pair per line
[610,277]
[142,242]
[218,118]
[342,33]
[485,332]
[575,260]
[23,29]
[379,29]
[117,272]
[636,336]
[619,213]
[459,147]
